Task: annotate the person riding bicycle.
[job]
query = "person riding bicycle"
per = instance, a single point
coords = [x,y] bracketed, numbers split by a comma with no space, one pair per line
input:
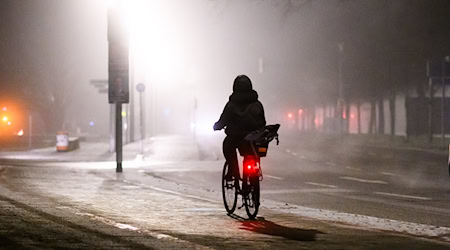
[242,114]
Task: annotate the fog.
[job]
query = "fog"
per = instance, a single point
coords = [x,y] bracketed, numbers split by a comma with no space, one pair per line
[188,52]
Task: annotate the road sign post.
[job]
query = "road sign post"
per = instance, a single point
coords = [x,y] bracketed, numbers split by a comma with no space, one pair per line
[30,130]
[140,87]
[118,73]
[119,137]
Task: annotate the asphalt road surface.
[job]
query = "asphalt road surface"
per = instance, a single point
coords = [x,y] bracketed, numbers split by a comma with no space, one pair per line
[315,195]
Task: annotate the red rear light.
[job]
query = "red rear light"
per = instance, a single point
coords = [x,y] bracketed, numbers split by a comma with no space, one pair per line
[249,163]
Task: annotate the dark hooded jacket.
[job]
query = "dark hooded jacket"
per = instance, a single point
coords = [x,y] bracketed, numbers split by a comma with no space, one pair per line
[243,112]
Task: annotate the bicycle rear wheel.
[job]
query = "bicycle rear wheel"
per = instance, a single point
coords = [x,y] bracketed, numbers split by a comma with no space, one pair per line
[229,190]
[251,199]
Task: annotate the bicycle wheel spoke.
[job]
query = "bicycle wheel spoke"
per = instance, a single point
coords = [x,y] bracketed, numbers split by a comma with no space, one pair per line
[252,198]
[229,192]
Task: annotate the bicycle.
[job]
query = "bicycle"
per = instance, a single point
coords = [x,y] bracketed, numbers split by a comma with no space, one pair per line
[253,147]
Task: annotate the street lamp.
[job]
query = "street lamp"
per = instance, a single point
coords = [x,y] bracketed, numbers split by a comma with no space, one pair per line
[118,71]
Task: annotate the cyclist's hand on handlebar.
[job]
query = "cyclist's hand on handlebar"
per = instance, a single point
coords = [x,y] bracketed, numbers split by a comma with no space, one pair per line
[217,126]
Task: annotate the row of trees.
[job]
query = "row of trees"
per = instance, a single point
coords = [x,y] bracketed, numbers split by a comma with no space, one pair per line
[40,67]
[384,49]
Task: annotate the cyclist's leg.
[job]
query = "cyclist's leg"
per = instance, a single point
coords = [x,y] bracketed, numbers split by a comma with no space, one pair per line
[229,151]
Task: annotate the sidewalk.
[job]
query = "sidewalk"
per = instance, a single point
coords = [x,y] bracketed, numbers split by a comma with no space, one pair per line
[171,147]
[379,141]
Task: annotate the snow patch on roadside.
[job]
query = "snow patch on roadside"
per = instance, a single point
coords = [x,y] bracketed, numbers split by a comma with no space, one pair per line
[364,221]
[157,235]
[125,226]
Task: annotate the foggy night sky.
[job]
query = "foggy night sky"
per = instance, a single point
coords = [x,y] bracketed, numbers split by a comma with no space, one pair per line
[51,49]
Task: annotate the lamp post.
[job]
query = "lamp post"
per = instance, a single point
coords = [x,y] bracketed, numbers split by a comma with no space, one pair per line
[444,61]
[430,104]
[340,102]
[118,72]
[140,87]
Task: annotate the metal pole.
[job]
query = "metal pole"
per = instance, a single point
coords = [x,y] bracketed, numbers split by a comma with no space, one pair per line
[340,98]
[119,137]
[430,110]
[30,130]
[112,142]
[126,127]
[141,118]
[443,103]
[131,109]
[195,118]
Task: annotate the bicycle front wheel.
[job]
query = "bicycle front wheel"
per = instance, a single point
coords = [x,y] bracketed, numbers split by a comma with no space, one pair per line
[229,190]
[251,199]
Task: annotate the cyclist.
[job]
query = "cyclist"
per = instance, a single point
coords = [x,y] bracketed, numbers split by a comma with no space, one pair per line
[242,114]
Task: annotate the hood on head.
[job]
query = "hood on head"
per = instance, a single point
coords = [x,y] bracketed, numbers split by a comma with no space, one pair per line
[242,84]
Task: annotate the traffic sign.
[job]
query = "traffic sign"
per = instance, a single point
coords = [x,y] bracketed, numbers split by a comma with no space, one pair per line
[118,73]
[97,82]
[118,58]
[140,87]
[100,85]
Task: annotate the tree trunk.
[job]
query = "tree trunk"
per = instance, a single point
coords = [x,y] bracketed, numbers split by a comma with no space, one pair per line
[347,116]
[324,115]
[306,120]
[358,110]
[392,112]
[380,116]
[408,124]
[430,112]
[372,120]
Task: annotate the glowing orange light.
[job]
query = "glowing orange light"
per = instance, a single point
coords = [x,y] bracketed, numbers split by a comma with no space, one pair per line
[290,115]
[9,123]
[20,133]
[5,118]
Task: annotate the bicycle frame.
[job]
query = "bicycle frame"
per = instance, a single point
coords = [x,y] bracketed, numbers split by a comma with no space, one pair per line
[248,186]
